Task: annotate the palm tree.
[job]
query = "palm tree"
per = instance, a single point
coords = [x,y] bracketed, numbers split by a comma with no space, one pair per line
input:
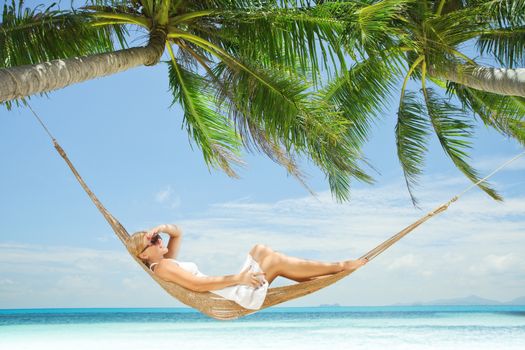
[430,43]
[242,70]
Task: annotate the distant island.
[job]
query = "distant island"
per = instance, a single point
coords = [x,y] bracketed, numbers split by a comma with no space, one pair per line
[471,300]
[468,300]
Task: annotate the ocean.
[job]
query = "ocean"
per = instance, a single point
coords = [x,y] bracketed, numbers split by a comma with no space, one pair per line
[424,327]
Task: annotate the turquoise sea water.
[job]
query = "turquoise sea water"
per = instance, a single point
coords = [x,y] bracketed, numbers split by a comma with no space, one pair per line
[429,327]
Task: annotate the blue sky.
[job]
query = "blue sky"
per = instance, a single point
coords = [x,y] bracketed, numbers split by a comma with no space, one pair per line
[57,251]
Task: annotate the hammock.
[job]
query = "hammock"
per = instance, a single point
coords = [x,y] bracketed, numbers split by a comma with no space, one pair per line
[216,306]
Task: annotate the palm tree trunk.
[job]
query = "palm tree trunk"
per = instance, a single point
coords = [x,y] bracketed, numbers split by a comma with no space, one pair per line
[500,81]
[22,81]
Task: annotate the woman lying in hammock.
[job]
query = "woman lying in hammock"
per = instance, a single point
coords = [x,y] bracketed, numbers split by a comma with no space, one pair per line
[247,288]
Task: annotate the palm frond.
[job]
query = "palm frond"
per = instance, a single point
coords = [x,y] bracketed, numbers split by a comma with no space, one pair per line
[268,97]
[443,34]
[30,36]
[251,134]
[506,45]
[285,36]
[453,131]
[247,4]
[502,12]
[504,113]
[267,92]
[362,93]
[211,131]
[279,104]
[412,130]
[275,152]
[116,6]
[502,34]
[340,168]
[370,26]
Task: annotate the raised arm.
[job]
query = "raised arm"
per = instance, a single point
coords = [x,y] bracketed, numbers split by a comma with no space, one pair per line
[169,271]
[174,242]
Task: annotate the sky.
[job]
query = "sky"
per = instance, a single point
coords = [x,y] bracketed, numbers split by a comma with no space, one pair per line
[56,250]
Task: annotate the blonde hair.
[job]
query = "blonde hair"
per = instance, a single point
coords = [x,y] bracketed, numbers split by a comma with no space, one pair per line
[136,244]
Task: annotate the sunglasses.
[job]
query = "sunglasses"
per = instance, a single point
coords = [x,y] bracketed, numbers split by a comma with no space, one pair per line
[153,241]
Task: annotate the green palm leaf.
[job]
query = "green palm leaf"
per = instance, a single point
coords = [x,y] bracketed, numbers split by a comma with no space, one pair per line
[501,12]
[341,166]
[412,131]
[506,45]
[506,114]
[362,93]
[502,29]
[212,132]
[271,98]
[253,137]
[267,93]
[370,25]
[453,131]
[286,37]
[303,125]
[30,36]
[278,103]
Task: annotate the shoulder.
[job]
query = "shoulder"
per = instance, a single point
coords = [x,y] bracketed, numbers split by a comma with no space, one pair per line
[170,271]
[167,268]
[165,264]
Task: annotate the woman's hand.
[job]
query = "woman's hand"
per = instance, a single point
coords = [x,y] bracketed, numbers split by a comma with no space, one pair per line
[170,229]
[250,278]
[154,231]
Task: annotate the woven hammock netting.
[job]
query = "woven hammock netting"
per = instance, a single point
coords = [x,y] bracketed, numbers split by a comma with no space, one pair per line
[216,306]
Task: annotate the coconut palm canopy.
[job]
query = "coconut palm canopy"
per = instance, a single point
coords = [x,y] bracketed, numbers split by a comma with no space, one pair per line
[248,73]
[431,43]
[243,72]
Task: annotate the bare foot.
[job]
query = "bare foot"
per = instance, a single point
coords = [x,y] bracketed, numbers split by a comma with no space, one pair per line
[352,265]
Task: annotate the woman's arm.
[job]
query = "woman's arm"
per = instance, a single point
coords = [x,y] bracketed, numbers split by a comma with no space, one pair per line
[175,234]
[171,272]
[175,240]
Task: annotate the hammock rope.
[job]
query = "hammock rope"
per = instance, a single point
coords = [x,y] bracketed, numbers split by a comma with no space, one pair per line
[216,306]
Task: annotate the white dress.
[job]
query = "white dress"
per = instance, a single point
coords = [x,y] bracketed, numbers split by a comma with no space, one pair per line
[246,296]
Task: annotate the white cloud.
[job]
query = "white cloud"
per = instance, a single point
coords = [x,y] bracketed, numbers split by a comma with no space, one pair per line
[165,196]
[497,264]
[489,163]
[403,262]
[79,283]
[74,277]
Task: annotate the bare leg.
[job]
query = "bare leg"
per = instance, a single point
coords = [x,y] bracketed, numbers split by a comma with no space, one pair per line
[277,264]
